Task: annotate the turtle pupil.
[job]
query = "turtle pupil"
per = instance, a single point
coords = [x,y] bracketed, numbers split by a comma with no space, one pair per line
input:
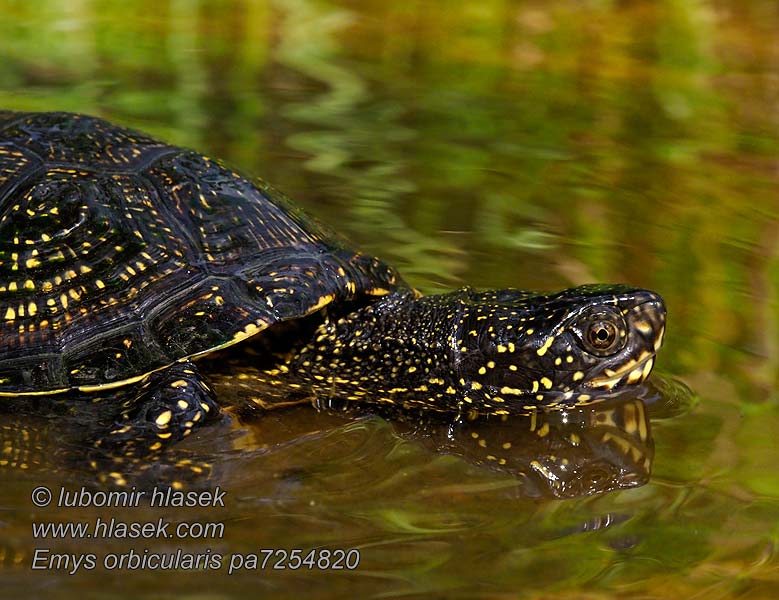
[602,335]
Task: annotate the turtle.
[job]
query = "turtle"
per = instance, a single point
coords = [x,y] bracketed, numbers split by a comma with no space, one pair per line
[126,261]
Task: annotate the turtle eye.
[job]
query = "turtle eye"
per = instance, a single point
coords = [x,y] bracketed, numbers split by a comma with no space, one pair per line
[602,332]
[602,335]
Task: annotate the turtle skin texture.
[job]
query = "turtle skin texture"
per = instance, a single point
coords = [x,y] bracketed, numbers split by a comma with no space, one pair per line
[123,260]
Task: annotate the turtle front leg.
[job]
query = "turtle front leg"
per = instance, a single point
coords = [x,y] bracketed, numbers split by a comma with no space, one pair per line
[164,408]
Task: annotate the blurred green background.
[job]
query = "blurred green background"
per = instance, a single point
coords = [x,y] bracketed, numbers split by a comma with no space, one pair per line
[495,143]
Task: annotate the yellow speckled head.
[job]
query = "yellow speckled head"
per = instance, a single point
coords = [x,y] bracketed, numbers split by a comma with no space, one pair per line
[557,346]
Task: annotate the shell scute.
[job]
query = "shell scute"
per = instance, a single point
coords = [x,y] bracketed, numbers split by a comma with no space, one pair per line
[120,255]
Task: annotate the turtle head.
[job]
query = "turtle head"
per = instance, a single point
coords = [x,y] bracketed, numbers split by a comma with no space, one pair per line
[563,348]
[494,352]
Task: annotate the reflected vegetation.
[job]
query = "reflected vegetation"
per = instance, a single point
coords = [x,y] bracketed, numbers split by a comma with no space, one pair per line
[499,143]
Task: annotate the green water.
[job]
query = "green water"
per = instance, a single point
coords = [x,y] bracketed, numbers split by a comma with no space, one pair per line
[494,144]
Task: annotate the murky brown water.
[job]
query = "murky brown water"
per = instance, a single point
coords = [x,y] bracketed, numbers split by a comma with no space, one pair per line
[492,144]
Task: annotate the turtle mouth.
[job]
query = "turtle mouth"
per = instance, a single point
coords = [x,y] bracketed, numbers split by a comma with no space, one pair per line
[634,371]
[647,323]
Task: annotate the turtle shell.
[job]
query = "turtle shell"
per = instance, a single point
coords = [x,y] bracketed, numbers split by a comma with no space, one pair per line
[120,255]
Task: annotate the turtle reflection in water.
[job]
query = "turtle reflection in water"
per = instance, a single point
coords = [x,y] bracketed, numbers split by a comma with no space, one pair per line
[564,453]
[124,260]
